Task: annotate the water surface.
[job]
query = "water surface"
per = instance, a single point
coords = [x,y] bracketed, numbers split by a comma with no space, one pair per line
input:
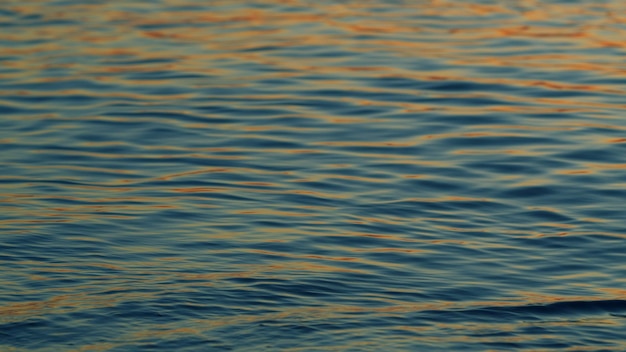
[293,175]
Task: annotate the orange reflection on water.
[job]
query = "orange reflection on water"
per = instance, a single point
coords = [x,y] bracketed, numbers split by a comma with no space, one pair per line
[273,212]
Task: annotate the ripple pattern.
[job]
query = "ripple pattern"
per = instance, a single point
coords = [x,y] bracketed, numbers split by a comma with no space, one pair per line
[287,175]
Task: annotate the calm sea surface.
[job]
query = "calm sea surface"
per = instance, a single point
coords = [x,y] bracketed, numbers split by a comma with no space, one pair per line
[295,175]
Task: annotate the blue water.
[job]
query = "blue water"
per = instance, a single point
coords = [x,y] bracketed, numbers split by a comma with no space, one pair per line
[292,175]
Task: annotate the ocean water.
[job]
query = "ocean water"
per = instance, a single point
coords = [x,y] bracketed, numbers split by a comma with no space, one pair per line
[294,175]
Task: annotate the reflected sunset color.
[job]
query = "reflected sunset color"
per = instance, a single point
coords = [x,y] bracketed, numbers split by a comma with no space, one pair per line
[291,175]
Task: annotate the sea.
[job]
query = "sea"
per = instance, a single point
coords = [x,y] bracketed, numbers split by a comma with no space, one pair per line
[299,175]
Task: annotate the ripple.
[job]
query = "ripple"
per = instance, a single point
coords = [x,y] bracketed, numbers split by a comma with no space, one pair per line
[281,175]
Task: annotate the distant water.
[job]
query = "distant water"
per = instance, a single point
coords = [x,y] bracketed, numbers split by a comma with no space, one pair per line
[293,175]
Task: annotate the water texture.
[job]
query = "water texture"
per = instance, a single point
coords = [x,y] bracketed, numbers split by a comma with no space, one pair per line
[293,175]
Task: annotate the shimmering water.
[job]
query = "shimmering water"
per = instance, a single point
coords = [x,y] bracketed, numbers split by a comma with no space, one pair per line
[293,175]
